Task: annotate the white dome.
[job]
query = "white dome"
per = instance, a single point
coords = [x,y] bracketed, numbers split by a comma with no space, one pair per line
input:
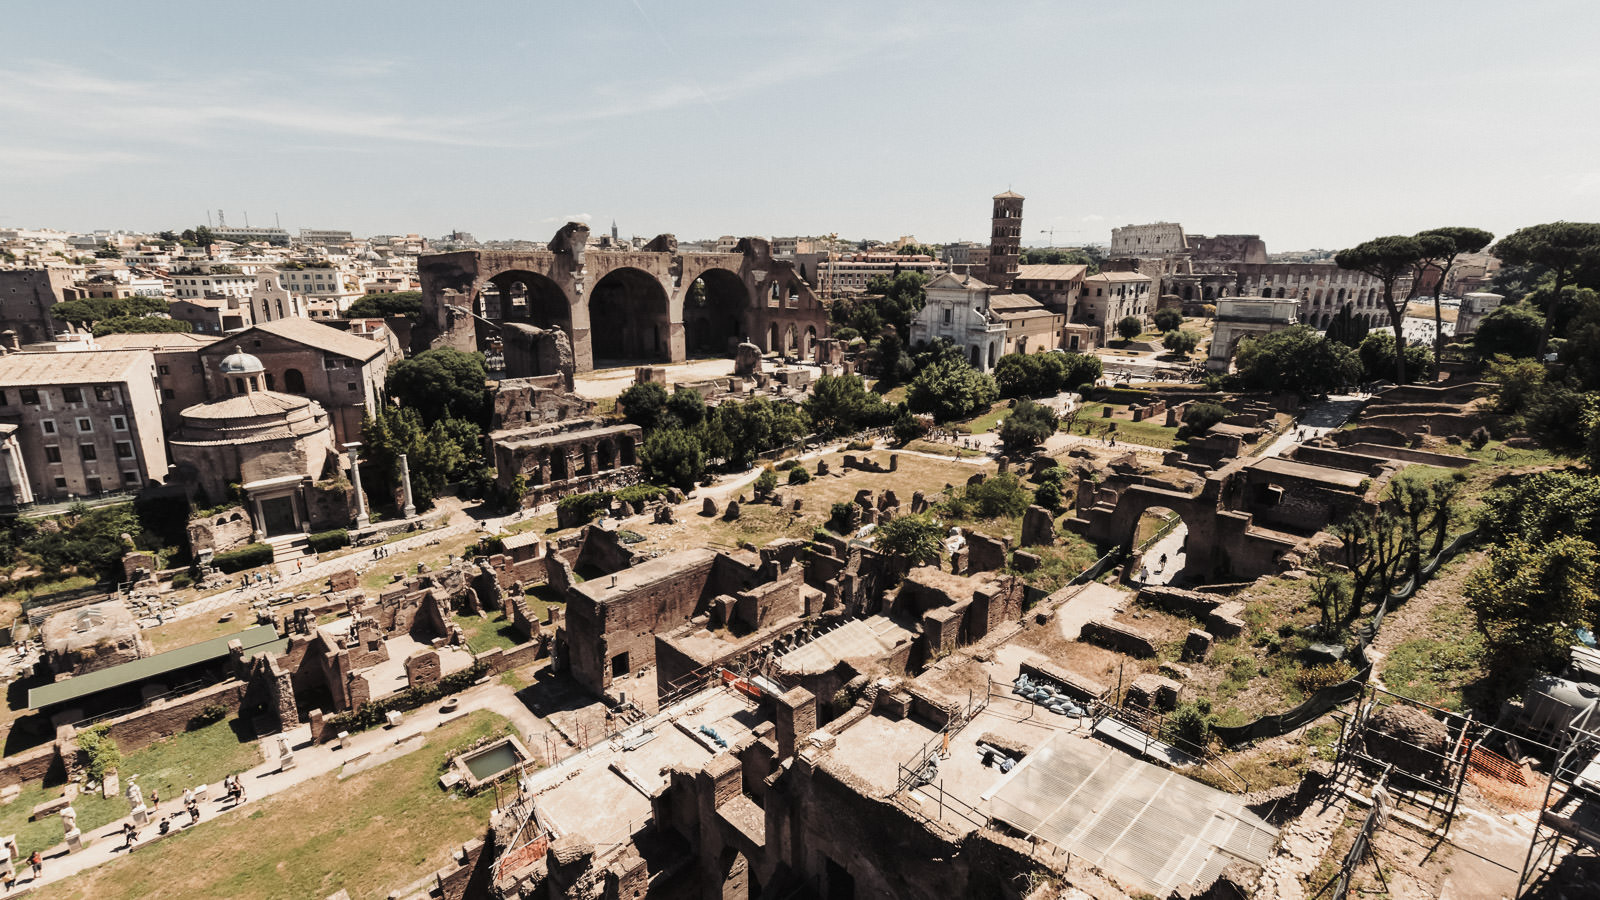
[240,363]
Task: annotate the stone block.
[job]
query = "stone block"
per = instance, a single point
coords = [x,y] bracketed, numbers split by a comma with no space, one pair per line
[423,668]
[1024,561]
[1153,692]
[1119,637]
[732,512]
[344,581]
[1038,527]
[1196,645]
[1226,620]
[708,508]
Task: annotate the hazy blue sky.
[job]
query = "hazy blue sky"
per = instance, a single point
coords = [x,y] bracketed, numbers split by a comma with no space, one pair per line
[1313,124]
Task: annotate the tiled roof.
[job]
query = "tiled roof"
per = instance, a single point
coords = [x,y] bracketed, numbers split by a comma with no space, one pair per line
[74,367]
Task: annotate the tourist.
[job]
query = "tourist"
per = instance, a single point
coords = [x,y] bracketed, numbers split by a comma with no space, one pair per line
[194,812]
[37,861]
[130,834]
[8,870]
[155,799]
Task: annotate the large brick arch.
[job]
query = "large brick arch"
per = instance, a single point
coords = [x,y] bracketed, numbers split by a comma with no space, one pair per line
[453,282]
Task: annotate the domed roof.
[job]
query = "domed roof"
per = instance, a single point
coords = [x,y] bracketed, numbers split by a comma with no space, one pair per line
[240,363]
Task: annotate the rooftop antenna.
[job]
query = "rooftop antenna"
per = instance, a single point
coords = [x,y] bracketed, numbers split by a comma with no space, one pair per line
[222,220]
[208,218]
[247,218]
[277,223]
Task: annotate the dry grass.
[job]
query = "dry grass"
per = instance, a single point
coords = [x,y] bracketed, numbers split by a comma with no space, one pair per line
[761,523]
[369,834]
[194,629]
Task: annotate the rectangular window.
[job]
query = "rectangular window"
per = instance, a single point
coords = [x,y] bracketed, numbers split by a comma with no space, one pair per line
[87,451]
[85,425]
[52,454]
[61,482]
[104,393]
[130,477]
[163,370]
[168,394]
[48,426]
[3,400]
[91,485]
[124,449]
[72,395]
[119,423]
[351,386]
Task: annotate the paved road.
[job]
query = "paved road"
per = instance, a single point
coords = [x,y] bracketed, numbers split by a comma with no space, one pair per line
[1316,421]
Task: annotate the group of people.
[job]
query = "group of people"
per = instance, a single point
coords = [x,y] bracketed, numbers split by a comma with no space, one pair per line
[248,579]
[235,788]
[380,552]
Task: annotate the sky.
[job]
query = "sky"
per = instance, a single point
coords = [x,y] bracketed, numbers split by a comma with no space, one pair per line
[1315,125]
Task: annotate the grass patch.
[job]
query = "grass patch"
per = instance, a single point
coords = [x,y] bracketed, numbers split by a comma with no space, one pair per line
[202,756]
[541,599]
[369,834]
[989,420]
[1436,668]
[1060,564]
[1092,423]
[485,633]
[942,449]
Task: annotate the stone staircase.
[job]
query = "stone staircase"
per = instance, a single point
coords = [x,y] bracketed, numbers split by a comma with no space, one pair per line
[289,548]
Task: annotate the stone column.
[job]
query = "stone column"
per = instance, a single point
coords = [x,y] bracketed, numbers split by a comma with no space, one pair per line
[260,520]
[362,519]
[405,481]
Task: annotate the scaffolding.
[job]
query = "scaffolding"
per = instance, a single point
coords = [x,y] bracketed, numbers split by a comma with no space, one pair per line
[1570,813]
[1423,796]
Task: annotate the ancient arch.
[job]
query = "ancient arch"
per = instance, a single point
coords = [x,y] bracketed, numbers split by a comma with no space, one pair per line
[1163,558]
[791,340]
[810,344]
[772,338]
[629,316]
[714,312]
[524,296]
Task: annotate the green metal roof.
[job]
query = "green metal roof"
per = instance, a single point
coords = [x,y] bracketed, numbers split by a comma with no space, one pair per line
[139,670]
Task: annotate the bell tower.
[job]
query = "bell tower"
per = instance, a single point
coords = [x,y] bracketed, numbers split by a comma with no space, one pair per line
[1005,240]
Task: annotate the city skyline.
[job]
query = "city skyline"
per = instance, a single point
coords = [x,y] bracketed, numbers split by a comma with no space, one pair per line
[1314,130]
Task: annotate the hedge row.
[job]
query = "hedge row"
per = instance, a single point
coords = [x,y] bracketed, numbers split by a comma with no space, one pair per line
[323,541]
[246,557]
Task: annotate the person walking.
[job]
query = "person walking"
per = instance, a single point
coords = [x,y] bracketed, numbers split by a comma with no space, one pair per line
[37,861]
[130,834]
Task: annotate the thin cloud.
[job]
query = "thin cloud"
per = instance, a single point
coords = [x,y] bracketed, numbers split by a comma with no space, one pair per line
[173,112]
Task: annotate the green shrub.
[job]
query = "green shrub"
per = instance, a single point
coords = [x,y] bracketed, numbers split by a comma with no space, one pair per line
[101,750]
[323,541]
[578,508]
[1189,725]
[858,445]
[640,493]
[798,475]
[1315,678]
[208,715]
[765,482]
[246,557]
[377,712]
[842,517]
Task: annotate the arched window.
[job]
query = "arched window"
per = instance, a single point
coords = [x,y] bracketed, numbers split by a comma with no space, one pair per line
[294,382]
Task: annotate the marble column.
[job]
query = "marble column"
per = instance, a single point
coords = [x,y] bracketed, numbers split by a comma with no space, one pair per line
[405,481]
[362,519]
